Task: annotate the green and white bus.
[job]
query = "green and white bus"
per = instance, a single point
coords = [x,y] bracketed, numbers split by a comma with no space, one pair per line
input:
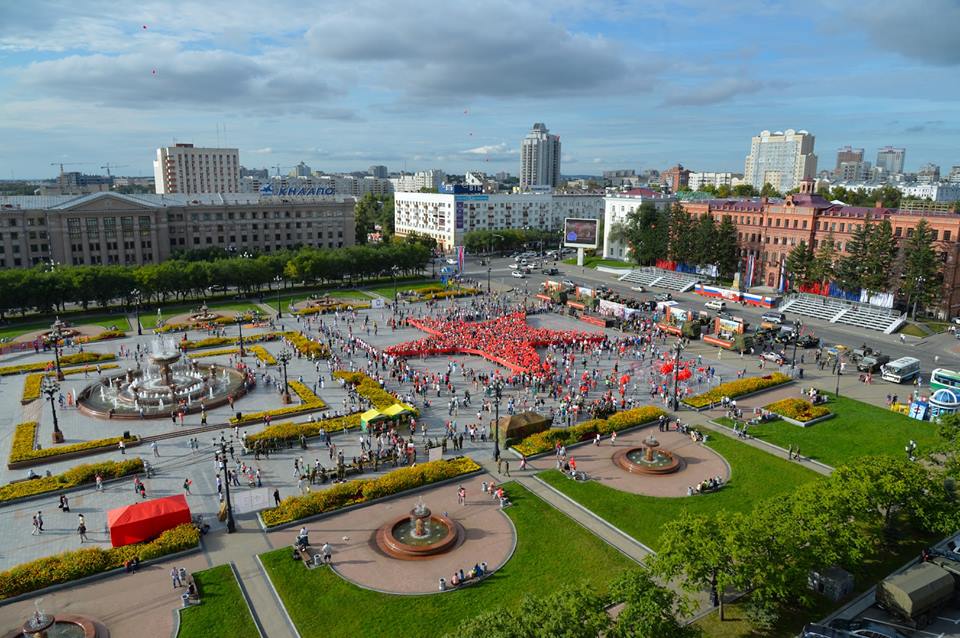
[943,378]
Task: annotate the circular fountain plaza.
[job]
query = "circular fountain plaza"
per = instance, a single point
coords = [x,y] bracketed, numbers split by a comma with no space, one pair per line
[418,535]
[169,381]
[649,458]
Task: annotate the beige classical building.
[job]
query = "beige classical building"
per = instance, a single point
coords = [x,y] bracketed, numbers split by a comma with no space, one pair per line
[110,228]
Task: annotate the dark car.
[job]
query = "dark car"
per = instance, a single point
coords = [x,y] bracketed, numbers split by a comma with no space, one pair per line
[663,296]
[603,288]
[550,271]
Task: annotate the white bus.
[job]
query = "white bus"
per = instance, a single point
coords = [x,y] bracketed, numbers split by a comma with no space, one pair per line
[902,370]
[943,378]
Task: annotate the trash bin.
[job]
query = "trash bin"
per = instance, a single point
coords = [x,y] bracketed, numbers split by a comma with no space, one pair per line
[443,584]
[185,599]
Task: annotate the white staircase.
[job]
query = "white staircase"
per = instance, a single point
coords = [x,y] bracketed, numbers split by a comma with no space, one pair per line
[678,281]
[844,312]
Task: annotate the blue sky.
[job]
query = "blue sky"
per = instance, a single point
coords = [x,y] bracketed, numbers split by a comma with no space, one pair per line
[456,85]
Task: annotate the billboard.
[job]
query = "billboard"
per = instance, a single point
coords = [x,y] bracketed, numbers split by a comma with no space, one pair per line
[580,233]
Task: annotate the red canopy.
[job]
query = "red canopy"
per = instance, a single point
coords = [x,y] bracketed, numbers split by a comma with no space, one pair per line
[147,519]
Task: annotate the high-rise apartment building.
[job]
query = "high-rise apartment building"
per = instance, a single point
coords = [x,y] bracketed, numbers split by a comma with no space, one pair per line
[928,174]
[184,168]
[781,159]
[378,170]
[676,177]
[301,170]
[890,159]
[539,158]
[847,154]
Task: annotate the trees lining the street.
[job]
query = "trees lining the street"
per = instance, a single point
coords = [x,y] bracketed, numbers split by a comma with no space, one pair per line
[483,241]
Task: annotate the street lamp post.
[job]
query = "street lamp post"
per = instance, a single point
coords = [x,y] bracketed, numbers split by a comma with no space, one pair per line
[283,359]
[279,280]
[51,388]
[240,328]
[136,300]
[489,270]
[916,296]
[797,328]
[231,524]
[393,273]
[56,332]
[837,391]
[497,393]
[675,401]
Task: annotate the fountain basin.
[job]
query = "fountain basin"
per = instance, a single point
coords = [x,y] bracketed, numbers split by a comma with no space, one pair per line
[64,626]
[399,540]
[636,461]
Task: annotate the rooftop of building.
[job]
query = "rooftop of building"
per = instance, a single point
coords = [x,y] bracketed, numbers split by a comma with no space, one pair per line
[153,200]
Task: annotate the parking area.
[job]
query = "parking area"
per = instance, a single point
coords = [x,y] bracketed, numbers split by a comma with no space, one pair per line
[946,624]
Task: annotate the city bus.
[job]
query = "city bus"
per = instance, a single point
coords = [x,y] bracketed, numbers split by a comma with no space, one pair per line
[902,370]
[943,378]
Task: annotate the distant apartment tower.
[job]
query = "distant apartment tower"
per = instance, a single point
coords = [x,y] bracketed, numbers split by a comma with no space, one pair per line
[378,170]
[847,154]
[699,180]
[781,159]
[256,173]
[301,170]
[928,174]
[183,168]
[676,177]
[539,158]
[854,171]
[890,159]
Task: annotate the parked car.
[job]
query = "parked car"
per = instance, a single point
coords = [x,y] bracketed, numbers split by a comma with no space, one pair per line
[550,271]
[638,289]
[514,266]
[518,274]
[603,288]
[568,283]
[776,357]
[872,362]
[664,296]
[451,261]
[716,304]
[773,317]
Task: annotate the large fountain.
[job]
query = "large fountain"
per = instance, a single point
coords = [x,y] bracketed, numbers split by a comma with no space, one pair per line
[648,459]
[169,381]
[43,625]
[420,534]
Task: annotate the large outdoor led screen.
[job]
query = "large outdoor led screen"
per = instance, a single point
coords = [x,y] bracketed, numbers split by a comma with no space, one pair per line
[580,233]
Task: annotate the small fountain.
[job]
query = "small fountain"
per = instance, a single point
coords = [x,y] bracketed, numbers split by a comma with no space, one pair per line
[167,381]
[420,534]
[43,625]
[648,459]
[203,314]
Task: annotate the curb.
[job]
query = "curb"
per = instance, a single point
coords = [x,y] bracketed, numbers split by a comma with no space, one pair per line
[729,432]
[95,577]
[740,396]
[246,599]
[68,490]
[276,596]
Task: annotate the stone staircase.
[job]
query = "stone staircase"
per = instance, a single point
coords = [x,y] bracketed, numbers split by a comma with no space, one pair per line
[678,281]
[844,312]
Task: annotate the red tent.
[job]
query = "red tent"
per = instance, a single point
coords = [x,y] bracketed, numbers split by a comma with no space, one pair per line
[147,519]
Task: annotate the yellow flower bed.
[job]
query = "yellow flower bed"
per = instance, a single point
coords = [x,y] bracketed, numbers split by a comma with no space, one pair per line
[427,295]
[261,353]
[103,336]
[370,390]
[798,409]
[734,389]
[214,353]
[32,382]
[334,307]
[307,347]
[25,434]
[73,477]
[341,495]
[66,360]
[548,439]
[306,394]
[290,431]
[68,566]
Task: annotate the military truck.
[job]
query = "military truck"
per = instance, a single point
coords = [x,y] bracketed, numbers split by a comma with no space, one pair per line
[872,362]
[918,593]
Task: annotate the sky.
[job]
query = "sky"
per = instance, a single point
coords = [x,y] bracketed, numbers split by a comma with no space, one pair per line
[418,84]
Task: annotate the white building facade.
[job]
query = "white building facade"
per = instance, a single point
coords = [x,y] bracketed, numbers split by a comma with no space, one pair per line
[184,168]
[447,217]
[616,208]
[698,180]
[781,159]
[539,158]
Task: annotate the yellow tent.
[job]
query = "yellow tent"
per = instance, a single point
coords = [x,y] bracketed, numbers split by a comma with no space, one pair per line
[370,416]
[396,410]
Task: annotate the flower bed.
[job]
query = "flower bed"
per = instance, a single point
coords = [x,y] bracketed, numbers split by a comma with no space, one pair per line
[103,336]
[261,353]
[291,410]
[306,394]
[32,382]
[214,353]
[370,390]
[210,342]
[290,431]
[68,566]
[341,495]
[73,477]
[436,292]
[26,433]
[798,410]
[734,389]
[307,347]
[333,307]
[548,439]
[66,360]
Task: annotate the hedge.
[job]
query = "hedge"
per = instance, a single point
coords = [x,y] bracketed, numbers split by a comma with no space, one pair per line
[103,336]
[548,439]
[307,347]
[68,566]
[734,389]
[25,434]
[290,431]
[214,353]
[798,409]
[32,382]
[341,495]
[333,307]
[65,360]
[73,477]
[261,353]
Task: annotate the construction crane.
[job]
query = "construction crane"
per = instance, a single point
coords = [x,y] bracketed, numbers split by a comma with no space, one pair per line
[108,166]
[62,164]
[278,167]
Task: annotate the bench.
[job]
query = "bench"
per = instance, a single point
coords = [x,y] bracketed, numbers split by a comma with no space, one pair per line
[303,553]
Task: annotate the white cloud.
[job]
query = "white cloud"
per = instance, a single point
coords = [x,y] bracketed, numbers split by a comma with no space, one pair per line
[493,149]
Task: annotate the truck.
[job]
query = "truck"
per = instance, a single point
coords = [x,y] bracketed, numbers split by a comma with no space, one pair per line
[872,362]
[916,594]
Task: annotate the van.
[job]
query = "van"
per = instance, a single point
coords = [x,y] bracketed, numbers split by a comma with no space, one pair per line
[902,370]
[716,304]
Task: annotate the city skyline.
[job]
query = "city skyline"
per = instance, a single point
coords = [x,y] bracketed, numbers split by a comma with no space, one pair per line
[624,85]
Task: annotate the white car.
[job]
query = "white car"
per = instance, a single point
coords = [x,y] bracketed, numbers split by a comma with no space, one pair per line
[518,274]
[638,289]
[515,266]
[451,261]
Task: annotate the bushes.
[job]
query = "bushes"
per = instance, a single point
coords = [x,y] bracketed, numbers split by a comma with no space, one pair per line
[290,431]
[340,495]
[307,347]
[548,439]
[67,566]
[306,394]
[333,307]
[261,353]
[103,336]
[734,389]
[214,353]
[66,360]
[31,385]
[73,477]
[798,409]
[26,433]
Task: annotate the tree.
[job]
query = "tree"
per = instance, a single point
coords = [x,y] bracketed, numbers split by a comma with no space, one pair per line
[681,244]
[727,247]
[921,277]
[881,255]
[724,191]
[821,270]
[768,190]
[704,241]
[745,190]
[799,263]
[851,268]
[647,231]
[649,609]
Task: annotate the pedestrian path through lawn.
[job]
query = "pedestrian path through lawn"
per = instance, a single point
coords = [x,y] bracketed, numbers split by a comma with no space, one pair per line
[755,475]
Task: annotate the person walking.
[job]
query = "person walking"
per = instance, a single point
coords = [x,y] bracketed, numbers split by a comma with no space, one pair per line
[506,467]
[122,447]
[82,531]
[36,526]
[175,577]
[155,448]
[99,480]
[186,485]
[327,553]
[461,495]
[39,522]
[276,496]
[613,438]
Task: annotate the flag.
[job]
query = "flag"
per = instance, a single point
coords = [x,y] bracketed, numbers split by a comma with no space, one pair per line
[750,267]
[783,274]
[460,255]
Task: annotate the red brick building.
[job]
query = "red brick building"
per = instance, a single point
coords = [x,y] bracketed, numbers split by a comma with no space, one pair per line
[676,177]
[769,230]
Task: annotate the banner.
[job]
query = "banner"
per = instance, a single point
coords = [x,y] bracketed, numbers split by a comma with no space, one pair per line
[460,257]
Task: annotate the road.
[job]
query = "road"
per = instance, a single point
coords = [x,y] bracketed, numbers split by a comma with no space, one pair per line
[935,351]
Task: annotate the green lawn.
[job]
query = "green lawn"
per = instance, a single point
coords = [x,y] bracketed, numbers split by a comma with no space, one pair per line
[755,475]
[222,611]
[402,286]
[913,330]
[858,429]
[593,262]
[293,298]
[105,321]
[551,550]
[148,315]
